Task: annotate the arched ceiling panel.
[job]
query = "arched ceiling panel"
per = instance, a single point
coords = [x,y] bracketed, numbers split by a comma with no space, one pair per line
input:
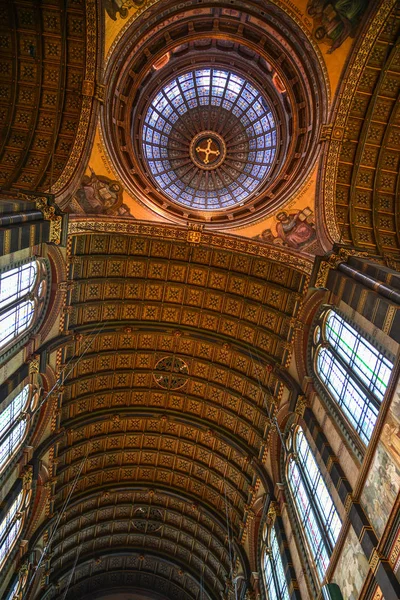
[174,353]
[361,166]
[48,65]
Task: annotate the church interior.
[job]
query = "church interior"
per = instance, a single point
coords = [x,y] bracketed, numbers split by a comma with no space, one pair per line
[199,300]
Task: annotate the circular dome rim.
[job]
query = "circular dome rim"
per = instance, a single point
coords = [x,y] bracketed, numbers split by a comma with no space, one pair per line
[135,54]
[174,76]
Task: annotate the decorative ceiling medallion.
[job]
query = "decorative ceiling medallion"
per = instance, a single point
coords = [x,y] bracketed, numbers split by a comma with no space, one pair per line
[207,150]
[146,520]
[171,373]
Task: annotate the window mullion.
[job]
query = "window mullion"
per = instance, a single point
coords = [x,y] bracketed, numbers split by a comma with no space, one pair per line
[315,508]
[353,375]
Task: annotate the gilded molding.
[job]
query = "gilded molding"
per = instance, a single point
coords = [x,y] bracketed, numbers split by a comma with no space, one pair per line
[180,234]
[332,262]
[273,510]
[348,91]
[301,405]
[49,214]
[374,560]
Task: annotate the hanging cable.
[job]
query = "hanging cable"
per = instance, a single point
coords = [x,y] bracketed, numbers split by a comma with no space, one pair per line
[63,375]
[58,520]
[72,572]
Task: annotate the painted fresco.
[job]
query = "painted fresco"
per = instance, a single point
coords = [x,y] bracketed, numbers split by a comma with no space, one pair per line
[383,483]
[120,8]
[293,229]
[334,22]
[98,195]
[352,568]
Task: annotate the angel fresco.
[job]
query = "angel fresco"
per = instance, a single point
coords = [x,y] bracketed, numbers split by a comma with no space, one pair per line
[334,21]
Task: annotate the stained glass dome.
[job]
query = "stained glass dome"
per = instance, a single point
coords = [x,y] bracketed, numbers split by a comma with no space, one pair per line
[209,139]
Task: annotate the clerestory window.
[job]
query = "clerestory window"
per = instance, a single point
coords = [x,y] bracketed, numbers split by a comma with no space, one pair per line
[14,419]
[352,371]
[315,508]
[275,579]
[22,300]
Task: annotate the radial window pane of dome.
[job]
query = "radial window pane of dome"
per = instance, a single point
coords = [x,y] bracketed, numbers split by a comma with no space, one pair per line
[209,139]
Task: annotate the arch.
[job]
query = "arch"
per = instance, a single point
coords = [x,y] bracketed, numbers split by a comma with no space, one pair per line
[24,290]
[350,369]
[313,504]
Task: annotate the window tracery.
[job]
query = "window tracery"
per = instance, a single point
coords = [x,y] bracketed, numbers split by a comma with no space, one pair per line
[23,290]
[14,419]
[274,575]
[351,370]
[313,503]
[12,523]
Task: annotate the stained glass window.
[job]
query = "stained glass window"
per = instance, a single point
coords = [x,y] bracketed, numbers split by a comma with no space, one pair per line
[22,292]
[316,510]
[10,528]
[353,372]
[13,425]
[275,580]
[220,102]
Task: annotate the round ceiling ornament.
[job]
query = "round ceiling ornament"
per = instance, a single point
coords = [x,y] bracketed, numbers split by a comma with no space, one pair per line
[171,373]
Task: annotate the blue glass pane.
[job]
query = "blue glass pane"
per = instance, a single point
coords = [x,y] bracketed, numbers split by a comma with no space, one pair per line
[182,97]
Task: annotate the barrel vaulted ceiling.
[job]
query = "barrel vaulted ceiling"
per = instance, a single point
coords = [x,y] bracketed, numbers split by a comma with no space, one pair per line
[166,414]
[361,165]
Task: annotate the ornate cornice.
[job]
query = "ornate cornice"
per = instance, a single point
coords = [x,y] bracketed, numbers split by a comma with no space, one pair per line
[100,225]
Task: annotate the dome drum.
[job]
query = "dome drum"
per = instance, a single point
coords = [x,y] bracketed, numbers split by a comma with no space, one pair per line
[216,40]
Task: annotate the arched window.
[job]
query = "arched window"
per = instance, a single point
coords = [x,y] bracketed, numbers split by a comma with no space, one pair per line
[12,523]
[22,300]
[14,418]
[314,505]
[275,580]
[352,371]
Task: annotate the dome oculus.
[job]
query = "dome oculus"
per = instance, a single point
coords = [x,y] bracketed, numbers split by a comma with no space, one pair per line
[209,139]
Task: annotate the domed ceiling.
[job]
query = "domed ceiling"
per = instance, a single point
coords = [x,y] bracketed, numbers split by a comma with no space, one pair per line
[209,139]
[216,121]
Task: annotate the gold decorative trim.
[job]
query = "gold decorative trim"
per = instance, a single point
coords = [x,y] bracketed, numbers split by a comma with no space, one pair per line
[273,510]
[301,405]
[49,214]
[348,90]
[390,314]
[348,503]
[180,234]
[87,99]
[374,560]
[34,365]
[330,462]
